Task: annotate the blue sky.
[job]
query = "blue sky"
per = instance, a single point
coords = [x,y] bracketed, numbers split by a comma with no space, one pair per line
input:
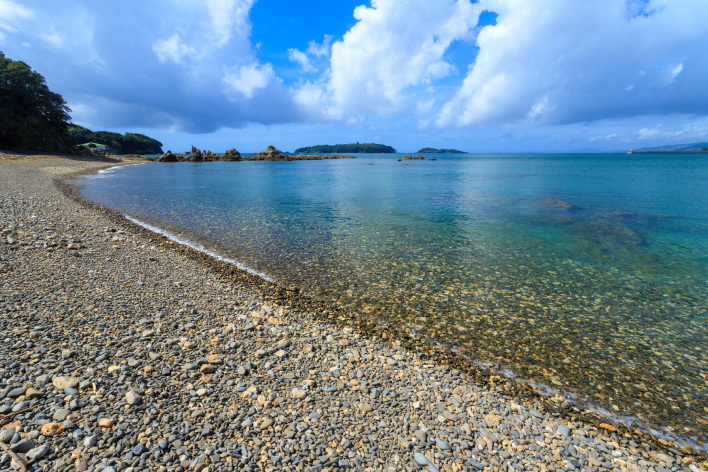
[483,76]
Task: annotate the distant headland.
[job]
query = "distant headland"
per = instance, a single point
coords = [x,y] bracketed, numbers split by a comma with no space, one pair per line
[113,143]
[673,149]
[356,148]
[441,151]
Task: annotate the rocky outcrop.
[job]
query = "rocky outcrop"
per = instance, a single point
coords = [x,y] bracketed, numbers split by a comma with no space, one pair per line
[231,155]
[203,156]
[209,156]
[195,155]
[169,157]
[270,154]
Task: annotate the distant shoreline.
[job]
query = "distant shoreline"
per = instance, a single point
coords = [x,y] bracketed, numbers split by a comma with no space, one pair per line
[667,152]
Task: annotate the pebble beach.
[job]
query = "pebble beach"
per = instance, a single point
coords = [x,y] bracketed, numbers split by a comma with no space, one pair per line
[125,351]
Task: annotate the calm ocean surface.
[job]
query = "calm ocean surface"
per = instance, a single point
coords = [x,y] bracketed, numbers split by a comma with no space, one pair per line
[584,273]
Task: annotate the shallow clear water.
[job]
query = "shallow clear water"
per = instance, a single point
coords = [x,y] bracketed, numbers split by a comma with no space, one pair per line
[586,273]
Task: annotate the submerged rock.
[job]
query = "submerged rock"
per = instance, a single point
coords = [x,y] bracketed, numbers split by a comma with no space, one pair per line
[555,203]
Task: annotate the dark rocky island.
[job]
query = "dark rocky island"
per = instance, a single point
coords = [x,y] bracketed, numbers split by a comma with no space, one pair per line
[441,151]
[357,148]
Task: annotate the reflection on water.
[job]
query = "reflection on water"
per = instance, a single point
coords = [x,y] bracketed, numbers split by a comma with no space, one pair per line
[585,273]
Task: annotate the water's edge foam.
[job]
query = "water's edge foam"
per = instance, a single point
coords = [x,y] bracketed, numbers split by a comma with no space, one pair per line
[112,169]
[200,248]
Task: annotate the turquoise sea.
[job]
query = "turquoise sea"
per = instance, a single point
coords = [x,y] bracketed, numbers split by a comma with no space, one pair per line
[586,273]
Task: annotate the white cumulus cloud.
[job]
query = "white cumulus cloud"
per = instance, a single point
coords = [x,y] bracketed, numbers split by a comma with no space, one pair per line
[245,80]
[555,61]
[218,23]
[319,50]
[172,49]
[228,18]
[394,47]
[295,55]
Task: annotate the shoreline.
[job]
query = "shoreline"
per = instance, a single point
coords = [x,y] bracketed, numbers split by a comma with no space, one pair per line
[302,308]
[552,399]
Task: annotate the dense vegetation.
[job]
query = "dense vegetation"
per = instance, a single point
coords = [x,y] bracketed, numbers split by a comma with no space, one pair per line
[31,116]
[353,148]
[441,151]
[128,143]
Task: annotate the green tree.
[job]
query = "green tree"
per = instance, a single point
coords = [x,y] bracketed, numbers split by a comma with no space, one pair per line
[128,143]
[31,116]
[343,148]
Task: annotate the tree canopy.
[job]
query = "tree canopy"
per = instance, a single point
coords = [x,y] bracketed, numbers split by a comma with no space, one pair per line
[128,143]
[353,148]
[441,151]
[31,116]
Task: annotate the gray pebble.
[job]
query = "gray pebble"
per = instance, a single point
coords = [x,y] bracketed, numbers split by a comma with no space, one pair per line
[6,435]
[61,414]
[421,460]
[442,445]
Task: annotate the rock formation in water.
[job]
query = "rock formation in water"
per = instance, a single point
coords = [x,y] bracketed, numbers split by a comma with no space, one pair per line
[202,156]
[231,155]
[169,157]
[210,156]
[195,155]
[272,154]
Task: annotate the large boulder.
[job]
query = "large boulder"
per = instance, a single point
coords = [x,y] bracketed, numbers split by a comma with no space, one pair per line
[169,157]
[231,155]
